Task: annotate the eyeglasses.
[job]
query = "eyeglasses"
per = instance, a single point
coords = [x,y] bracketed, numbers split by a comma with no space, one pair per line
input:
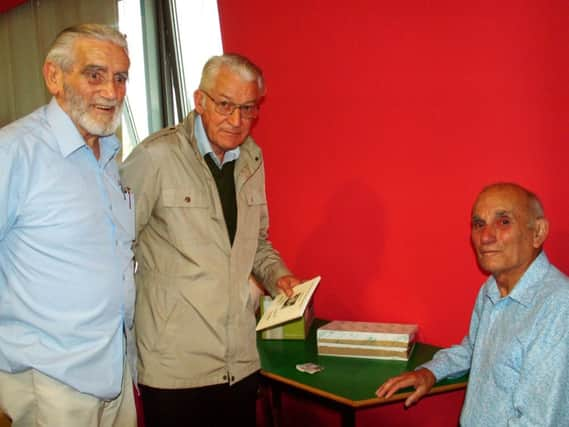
[226,108]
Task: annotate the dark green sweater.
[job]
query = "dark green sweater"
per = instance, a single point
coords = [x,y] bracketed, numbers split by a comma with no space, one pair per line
[225,184]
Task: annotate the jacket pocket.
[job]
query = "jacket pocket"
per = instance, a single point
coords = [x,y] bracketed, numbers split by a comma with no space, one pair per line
[187,214]
[255,197]
[155,309]
[182,198]
[254,215]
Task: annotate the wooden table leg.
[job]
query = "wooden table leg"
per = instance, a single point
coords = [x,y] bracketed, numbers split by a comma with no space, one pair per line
[348,417]
[276,405]
[266,404]
[271,402]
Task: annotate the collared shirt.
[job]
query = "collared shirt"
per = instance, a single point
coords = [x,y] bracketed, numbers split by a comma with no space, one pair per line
[517,351]
[204,146]
[66,229]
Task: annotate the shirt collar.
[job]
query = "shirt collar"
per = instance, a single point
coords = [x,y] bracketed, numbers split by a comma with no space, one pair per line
[68,137]
[527,286]
[204,146]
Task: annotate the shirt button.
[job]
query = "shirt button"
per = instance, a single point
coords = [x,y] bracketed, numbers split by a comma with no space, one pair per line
[187,199]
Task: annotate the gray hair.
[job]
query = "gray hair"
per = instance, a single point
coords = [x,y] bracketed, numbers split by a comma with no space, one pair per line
[61,51]
[237,64]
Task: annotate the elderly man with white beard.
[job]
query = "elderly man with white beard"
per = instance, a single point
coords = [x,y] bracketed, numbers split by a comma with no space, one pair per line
[66,231]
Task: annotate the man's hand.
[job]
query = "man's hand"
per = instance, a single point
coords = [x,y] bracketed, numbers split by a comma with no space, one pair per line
[286,283]
[422,380]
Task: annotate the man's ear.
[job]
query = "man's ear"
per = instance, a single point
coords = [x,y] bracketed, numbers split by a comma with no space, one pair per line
[540,232]
[198,101]
[53,76]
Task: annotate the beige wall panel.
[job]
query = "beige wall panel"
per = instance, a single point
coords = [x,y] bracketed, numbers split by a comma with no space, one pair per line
[26,32]
[25,82]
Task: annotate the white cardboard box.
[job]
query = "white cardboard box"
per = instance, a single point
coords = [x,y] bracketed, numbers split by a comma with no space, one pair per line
[392,341]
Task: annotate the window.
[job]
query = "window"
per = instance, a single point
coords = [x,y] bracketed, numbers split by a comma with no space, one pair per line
[201,22]
[135,115]
[164,71]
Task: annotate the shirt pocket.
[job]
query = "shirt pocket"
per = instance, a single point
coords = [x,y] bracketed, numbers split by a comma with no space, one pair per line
[122,202]
[508,360]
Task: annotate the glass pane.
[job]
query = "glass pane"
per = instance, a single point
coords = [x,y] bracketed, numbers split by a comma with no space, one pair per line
[198,20]
[135,115]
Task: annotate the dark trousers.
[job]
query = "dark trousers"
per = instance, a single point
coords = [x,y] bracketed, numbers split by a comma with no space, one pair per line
[210,406]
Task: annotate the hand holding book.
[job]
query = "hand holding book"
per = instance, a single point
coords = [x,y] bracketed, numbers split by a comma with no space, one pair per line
[285,308]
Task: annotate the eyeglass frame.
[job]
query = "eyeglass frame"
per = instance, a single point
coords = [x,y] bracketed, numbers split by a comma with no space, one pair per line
[233,106]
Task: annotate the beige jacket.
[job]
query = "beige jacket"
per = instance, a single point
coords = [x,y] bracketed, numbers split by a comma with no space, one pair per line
[194,313]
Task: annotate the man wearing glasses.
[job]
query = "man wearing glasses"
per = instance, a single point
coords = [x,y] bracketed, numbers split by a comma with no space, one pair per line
[201,230]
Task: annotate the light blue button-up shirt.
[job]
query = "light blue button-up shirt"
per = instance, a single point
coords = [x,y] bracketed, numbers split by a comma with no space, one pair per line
[517,351]
[204,145]
[66,279]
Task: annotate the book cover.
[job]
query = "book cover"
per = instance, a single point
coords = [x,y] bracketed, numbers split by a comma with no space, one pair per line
[292,330]
[284,309]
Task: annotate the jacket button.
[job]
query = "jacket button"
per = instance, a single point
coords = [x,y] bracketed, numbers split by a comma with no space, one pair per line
[225,377]
[187,199]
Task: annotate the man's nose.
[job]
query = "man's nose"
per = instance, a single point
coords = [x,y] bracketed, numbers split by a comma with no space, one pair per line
[109,89]
[488,234]
[235,117]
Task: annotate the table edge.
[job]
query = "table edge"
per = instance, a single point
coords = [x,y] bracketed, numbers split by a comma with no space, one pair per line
[359,403]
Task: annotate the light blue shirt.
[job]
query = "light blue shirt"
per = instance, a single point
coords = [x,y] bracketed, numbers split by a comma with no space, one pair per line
[517,351]
[204,146]
[66,279]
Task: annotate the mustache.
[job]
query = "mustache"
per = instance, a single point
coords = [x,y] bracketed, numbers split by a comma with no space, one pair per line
[103,102]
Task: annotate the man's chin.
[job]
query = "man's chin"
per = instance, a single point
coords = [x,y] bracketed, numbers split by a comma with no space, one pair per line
[489,266]
[102,129]
[232,144]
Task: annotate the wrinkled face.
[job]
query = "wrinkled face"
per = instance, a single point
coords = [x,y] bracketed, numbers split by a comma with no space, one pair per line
[505,233]
[226,132]
[93,90]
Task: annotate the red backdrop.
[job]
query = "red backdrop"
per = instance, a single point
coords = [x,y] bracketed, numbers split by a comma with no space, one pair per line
[6,5]
[382,122]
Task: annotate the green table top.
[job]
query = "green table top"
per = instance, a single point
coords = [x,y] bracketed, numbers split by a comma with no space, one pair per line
[352,381]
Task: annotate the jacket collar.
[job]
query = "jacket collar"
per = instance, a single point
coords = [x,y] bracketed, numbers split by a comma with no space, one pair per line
[250,155]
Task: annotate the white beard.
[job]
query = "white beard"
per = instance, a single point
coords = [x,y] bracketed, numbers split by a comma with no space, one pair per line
[79,113]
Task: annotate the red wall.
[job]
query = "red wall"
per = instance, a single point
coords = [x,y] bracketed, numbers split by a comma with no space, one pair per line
[383,120]
[6,5]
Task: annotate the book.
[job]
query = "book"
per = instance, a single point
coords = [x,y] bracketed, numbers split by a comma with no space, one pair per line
[393,341]
[284,309]
[292,330]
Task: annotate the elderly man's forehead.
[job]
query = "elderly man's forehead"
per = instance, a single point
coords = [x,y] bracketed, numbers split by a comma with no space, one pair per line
[503,197]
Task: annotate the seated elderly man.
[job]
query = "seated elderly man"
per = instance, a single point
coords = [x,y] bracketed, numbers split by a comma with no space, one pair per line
[517,347]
